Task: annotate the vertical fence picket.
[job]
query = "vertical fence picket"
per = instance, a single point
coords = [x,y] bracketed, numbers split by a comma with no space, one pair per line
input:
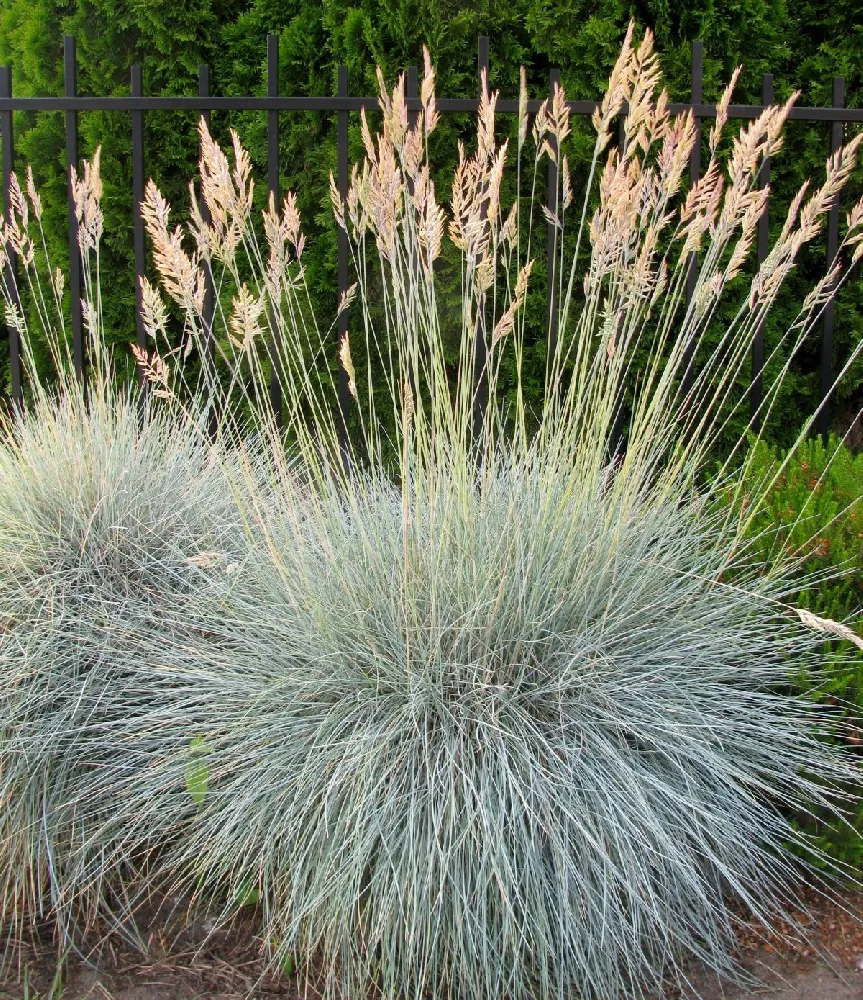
[694,175]
[755,392]
[344,254]
[412,93]
[274,192]
[621,126]
[138,169]
[70,79]
[209,359]
[826,372]
[616,444]
[6,133]
[480,397]
[551,236]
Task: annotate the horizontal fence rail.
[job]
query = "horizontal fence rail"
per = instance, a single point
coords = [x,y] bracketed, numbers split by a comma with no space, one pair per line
[336,103]
[71,104]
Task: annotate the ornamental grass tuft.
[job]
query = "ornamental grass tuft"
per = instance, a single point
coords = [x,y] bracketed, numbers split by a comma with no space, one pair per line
[526,744]
[111,508]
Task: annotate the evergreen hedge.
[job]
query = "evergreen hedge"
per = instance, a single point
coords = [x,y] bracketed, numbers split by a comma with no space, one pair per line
[804,45]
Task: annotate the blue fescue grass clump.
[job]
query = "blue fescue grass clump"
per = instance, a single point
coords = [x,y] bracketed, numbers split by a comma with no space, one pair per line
[114,510]
[108,516]
[546,755]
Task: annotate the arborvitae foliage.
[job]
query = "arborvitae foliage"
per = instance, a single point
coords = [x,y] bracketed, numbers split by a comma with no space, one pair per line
[803,45]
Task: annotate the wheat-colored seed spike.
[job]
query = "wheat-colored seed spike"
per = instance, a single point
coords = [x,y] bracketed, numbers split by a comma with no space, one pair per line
[348,365]
[33,194]
[617,92]
[180,275]
[407,403]
[247,309]
[829,627]
[155,370]
[347,297]
[722,110]
[337,203]
[17,200]
[567,184]
[427,94]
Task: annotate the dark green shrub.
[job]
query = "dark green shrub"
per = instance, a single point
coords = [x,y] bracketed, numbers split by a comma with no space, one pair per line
[814,510]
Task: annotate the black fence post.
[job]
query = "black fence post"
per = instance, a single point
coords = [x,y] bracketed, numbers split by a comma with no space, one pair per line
[209,359]
[694,175]
[826,373]
[480,358]
[70,79]
[616,444]
[412,93]
[344,253]
[274,190]
[551,237]
[6,132]
[138,170]
[756,389]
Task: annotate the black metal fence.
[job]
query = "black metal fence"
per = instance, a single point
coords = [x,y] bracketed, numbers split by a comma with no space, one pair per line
[137,105]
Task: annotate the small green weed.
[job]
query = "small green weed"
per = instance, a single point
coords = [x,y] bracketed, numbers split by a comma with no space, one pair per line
[197,770]
[55,990]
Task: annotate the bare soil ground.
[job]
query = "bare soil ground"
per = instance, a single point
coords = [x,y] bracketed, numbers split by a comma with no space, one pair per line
[825,964]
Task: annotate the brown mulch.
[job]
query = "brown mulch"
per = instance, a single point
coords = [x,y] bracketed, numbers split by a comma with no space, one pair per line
[826,925]
[190,962]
